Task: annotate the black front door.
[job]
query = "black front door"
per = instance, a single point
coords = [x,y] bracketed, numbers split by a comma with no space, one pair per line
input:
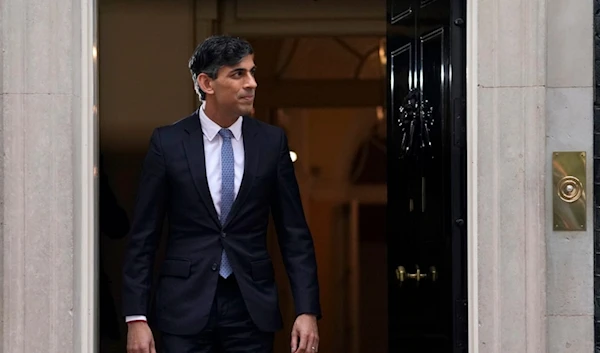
[426,216]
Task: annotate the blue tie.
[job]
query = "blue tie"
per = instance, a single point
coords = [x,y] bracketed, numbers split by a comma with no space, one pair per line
[227,191]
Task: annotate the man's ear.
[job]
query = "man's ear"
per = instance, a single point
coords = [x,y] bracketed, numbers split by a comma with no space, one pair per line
[205,83]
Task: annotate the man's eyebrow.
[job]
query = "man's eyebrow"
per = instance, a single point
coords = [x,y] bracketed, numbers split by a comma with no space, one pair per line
[238,69]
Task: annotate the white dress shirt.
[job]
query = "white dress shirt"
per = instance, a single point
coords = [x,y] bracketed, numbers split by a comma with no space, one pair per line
[212,156]
[212,159]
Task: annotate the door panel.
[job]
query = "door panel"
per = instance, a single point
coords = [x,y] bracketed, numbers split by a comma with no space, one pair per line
[426,179]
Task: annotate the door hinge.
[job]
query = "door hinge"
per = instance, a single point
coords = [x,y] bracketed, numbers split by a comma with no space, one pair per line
[459,22]
[461,327]
[459,119]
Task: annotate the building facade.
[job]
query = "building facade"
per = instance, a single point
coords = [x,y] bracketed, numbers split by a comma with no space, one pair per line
[530,75]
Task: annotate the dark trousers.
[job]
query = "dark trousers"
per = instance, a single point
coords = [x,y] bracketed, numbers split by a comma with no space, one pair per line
[229,329]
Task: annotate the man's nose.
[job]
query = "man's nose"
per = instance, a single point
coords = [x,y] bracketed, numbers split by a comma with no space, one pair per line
[251,82]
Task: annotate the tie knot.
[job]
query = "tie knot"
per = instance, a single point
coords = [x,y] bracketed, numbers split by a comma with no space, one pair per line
[226,133]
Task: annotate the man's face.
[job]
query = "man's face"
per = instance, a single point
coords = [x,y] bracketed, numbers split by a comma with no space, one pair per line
[234,88]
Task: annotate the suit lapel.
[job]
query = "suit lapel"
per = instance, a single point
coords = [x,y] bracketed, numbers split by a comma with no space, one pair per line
[194,150]
[251,159]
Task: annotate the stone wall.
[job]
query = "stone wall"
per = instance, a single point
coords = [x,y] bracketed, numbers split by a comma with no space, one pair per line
[569,126]
[530,95]
[41,94]
[506,124]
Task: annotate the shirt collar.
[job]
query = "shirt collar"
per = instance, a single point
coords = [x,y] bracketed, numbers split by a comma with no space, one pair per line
[210,129]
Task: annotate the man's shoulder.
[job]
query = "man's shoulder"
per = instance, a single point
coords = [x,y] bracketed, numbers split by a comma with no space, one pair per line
[174,130]
[265,129]
[190,124]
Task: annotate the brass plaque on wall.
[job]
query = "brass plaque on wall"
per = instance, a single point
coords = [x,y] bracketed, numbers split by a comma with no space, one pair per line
[568,191]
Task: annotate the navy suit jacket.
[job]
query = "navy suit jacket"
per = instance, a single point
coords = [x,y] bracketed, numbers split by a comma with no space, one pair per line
[173,183]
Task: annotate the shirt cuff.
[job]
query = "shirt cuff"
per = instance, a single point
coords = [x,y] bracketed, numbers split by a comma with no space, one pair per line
[135,318]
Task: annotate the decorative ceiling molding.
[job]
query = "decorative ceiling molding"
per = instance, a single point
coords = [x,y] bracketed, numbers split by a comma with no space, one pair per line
[348,20]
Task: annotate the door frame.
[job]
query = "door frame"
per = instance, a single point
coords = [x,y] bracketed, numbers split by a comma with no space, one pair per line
[87,132]
[85,213]
[471,126]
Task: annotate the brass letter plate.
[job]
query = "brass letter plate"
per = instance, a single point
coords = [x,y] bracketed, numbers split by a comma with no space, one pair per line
[568,191]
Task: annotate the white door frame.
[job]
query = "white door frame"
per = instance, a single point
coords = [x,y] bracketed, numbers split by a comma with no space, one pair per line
[86,261]
[472,231]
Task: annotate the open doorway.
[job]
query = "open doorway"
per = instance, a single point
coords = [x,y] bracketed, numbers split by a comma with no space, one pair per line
[326,92]
[341,168]
[331,95]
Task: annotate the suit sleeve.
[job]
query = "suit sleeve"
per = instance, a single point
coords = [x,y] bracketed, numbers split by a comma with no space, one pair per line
[145,230]
[295,239]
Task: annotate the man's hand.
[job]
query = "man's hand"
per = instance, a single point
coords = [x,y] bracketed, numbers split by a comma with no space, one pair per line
[139,338]
[305,334]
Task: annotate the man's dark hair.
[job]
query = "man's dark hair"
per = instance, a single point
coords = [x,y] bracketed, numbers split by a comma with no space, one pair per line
[214,53]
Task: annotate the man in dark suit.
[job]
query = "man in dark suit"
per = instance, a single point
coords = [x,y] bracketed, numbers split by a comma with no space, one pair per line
[217,175]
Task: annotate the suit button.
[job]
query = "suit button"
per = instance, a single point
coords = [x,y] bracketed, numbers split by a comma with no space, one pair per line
[214,266]
[223,234]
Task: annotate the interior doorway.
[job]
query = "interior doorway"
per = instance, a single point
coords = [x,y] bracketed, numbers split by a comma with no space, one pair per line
[334,96]
[341,167]
[334,117]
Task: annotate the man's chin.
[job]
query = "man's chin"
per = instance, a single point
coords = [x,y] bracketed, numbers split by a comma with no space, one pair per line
[246,110]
